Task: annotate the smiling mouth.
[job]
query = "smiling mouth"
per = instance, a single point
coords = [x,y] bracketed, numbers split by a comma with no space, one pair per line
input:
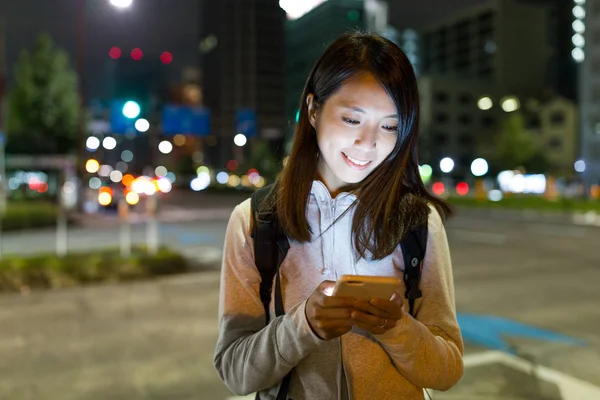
[355,163]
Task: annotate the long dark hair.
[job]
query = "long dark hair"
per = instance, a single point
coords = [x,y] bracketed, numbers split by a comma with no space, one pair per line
[392,200]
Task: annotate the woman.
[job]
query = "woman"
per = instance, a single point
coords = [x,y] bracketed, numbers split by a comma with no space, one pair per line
[347,196]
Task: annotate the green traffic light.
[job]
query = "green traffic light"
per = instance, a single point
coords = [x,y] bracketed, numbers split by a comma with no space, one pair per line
[297,116]
[131,109]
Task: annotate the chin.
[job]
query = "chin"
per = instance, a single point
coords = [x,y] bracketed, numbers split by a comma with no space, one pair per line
[353,178]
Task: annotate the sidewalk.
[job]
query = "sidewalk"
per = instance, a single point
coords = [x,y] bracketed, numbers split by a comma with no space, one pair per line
[155,340]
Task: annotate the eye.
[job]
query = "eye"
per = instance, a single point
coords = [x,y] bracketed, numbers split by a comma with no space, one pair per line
[391,129]
[350,121]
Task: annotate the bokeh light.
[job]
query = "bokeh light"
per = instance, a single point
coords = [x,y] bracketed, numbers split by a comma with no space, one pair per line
[115,53]
[137,54]
[165,147]
[166,57]
[92,166]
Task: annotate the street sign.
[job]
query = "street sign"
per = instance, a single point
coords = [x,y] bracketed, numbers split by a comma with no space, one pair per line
[186,120]
[119,123]
[246,122]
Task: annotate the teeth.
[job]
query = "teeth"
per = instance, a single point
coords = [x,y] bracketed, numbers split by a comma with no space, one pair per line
[355,161]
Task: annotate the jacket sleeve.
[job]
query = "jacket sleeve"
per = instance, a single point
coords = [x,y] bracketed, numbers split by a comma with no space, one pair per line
[428,349]
[250,356]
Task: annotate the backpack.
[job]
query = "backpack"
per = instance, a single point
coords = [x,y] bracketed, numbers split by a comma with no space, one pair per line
[271,246]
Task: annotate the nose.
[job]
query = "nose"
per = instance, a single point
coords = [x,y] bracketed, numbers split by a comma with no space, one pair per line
[366,139]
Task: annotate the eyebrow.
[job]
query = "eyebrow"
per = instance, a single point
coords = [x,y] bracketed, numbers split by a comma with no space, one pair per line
[360,110]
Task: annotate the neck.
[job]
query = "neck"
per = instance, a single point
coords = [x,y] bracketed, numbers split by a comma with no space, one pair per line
[334,190]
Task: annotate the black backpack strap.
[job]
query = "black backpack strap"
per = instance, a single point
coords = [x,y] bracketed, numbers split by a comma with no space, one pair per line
[414,247]
[266,253]
[270,248]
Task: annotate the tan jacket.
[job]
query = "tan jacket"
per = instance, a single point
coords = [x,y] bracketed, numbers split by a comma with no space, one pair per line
[421,352]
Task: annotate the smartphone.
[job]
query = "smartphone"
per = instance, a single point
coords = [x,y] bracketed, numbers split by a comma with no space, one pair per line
[366,287]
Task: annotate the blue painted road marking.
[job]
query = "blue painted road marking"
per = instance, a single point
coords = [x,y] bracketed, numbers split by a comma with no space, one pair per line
[490,331]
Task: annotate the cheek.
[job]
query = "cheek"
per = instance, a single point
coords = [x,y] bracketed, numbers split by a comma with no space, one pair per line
[329,135]
[388,143]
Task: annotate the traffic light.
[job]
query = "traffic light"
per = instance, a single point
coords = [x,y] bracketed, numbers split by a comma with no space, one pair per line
[131,109]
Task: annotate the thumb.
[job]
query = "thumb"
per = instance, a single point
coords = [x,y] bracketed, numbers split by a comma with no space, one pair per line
[397,298]
[327,287]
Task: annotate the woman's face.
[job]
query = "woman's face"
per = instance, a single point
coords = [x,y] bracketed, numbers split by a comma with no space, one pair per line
[357,129]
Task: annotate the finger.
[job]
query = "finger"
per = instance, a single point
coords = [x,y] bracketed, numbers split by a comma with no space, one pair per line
[333,313]
[368,308]
[369,328]
[387,307]
[368,319]
[330,325]
[336,301]
[325,298]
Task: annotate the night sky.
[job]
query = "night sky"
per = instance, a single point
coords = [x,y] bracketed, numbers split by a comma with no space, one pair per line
[152,25]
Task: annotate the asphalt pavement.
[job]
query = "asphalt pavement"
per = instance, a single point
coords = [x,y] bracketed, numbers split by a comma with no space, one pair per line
[526,294]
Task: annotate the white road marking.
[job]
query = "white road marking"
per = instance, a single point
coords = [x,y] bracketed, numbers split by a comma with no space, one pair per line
[570,387]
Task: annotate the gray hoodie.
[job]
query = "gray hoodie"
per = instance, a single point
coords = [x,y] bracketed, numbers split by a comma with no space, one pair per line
[421,352]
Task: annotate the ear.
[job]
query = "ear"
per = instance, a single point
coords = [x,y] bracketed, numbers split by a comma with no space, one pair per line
[312,110]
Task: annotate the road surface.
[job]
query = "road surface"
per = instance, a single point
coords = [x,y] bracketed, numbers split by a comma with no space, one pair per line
[154,340]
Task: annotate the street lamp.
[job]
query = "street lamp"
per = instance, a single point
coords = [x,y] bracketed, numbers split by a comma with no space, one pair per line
[240,140]
[121,3]
[479,167]
[447,165]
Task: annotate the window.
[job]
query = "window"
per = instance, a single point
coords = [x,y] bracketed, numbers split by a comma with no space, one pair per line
[440,139]
[465,98]
[466,140]
[532,121]
[555,143]
[441,97]
[464,119]
[441,117]
[488,121]
[557,118]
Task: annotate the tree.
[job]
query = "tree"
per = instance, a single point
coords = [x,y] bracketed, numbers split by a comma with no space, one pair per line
[263,158]
[43,107]
[515,147]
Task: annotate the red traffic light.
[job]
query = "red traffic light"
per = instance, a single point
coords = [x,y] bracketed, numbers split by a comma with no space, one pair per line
[137,54]
[166,57]
[114,53]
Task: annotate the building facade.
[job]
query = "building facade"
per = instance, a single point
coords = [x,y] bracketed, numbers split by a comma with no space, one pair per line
[589,94]
[476,66]
[502,41]
[242,61]
[561,69]
[452,122]
[554,123]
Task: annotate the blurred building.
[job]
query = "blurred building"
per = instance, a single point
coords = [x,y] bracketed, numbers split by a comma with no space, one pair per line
[561,69]
[454,118]
[307,38]
[553,122]
[3,77]
[476,65]
[502,41]
[242,59]
[589,95]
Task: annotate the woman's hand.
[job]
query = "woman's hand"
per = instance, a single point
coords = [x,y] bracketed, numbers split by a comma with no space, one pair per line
[329,316]
[377,315]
